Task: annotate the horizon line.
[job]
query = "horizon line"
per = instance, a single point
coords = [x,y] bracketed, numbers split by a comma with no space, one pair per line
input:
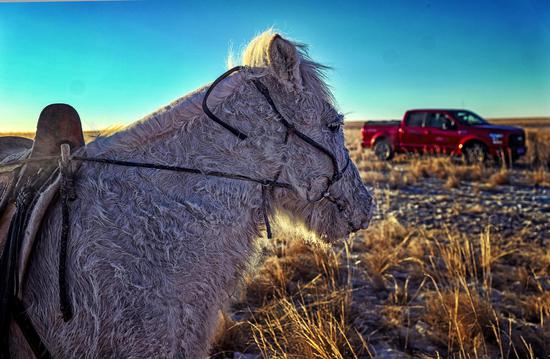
[109,127]
[59,1]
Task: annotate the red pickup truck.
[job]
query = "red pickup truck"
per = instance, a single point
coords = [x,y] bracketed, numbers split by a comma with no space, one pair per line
[453,132]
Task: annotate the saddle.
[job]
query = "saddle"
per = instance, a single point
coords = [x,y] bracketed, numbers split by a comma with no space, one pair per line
[26,192]
[10,145]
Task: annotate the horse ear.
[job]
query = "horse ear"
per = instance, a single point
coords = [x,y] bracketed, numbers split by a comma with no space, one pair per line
[285,62]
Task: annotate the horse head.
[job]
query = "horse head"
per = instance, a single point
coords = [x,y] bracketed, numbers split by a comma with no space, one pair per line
[299,137]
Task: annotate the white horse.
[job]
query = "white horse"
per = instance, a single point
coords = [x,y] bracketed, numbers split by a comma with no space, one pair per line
[153,254]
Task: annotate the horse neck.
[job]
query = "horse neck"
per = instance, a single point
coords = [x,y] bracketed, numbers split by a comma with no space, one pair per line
[182,135]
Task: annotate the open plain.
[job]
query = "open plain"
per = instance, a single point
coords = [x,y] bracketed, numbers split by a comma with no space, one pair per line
[456,264]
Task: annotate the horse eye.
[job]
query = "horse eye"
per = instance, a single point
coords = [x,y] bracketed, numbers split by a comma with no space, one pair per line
[334,126]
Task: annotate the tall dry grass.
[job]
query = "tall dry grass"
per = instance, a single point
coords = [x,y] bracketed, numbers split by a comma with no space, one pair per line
[400,291]
[298,305]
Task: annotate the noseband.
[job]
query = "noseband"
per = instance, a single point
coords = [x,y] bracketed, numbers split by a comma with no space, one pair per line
[290,130]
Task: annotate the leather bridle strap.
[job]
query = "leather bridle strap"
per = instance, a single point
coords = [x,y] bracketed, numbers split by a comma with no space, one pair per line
[263,182]
[292,129]
[240,135]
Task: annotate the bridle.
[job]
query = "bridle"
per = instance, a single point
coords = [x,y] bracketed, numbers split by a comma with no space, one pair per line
[290,130]
[67,190]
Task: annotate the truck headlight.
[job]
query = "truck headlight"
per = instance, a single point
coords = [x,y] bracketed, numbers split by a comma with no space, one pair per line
[496,138]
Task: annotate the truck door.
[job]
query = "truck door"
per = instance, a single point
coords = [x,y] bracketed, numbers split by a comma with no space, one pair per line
[441,133]
[412,131]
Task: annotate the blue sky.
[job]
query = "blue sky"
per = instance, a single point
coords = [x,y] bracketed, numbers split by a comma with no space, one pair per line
[118,61]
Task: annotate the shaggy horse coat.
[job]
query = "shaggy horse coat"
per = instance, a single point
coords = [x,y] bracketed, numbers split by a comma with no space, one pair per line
[153,255]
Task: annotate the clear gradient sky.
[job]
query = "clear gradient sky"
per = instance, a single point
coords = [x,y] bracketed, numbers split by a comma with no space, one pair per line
[118,61]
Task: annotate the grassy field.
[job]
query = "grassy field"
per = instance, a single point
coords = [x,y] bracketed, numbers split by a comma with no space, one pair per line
[400,290]
[416,283]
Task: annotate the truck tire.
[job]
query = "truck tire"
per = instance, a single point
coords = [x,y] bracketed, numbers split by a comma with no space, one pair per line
[475,153]
[383,150]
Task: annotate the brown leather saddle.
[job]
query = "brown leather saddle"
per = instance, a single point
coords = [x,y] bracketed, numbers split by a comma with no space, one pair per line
[57,124]
[22,190]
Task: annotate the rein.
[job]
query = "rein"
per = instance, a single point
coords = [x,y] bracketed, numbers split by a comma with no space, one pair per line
[291,129]
[156,166]
[264,182]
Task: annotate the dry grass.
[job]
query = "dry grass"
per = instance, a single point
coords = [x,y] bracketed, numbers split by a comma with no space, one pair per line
[452,182]
[538,150]
[499,178]
[398,292]
[298,305]
[540,177]
[435,294]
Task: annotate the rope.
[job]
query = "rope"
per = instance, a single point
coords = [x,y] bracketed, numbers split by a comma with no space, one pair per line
[265,183]
[68,194]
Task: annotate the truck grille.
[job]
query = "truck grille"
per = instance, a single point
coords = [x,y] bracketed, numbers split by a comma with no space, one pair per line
[516,140]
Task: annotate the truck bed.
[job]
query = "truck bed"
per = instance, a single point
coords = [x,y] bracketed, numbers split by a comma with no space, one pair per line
[385,128]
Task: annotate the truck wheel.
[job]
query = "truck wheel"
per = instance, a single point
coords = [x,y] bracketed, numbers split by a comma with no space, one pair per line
[383,150]
[475,154]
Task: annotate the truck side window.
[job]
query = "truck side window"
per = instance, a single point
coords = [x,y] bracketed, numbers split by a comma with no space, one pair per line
[416,119]
[439,120]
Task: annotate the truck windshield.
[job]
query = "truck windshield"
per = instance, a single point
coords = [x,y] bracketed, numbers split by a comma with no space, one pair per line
[469,118]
